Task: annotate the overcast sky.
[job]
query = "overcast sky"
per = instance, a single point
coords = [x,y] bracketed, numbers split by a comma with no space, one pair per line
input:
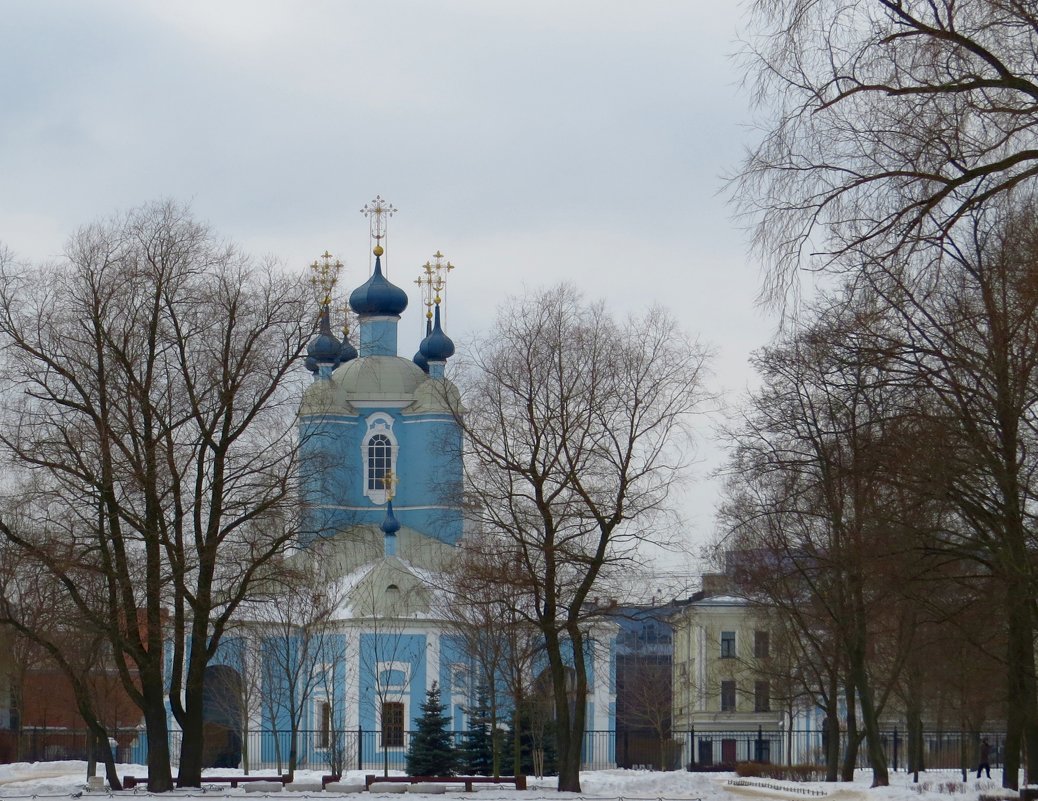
[532,142]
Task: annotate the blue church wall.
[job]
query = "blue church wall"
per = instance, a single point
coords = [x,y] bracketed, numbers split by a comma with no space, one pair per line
[456,692]
[230,652]
[274,716]
[427,454]
[381,656]
[430,477]
[275,720]
[324,448]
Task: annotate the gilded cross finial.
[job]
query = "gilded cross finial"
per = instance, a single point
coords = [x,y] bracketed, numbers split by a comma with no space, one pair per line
[433,281]
[378,212]
[324,275]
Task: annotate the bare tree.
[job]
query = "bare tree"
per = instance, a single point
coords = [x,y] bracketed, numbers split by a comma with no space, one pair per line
[967,336]
[147,390]
[644,701]
[382,604]
[237,695]
[503,644]
[885,122]
[576,429]
[818,531]
[478,617]
[300,651]
[50,631]
[333,686]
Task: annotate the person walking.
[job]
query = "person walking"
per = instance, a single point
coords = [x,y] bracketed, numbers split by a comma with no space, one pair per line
[985,757]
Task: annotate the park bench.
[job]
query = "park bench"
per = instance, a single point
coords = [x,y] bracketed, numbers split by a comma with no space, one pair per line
[519,781]
[130,782]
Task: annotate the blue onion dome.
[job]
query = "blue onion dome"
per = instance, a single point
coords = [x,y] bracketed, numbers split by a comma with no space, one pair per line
[347,353]
[419,359]
[437,346]
[377,296]
[323,348]
[390,525]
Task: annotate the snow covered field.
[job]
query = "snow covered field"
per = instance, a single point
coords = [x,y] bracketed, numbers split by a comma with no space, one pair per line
[67,779]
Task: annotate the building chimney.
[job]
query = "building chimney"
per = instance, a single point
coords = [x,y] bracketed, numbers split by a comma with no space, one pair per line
[716,584]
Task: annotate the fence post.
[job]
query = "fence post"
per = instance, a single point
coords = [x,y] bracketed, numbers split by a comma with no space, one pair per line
[895,749]
[360,748]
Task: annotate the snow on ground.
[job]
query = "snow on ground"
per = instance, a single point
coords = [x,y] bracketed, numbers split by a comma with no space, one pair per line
[68,780]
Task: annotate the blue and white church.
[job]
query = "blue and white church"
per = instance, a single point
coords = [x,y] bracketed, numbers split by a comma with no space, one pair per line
[383,517]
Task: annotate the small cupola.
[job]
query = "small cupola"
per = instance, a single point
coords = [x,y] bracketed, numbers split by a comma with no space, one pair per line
[347,352]
[437,347]
[419,358]
[322,354]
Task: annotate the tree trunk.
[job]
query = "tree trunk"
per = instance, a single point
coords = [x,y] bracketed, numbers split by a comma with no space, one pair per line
[832,735]
[193,744]
[92,745]
[517,733]
[873,741]
[111,774]
[1019,681]
[495,751]
[293,753]
[245,746]
[914,750]
[568,750]
[862,683]
[160,777]
[850,754]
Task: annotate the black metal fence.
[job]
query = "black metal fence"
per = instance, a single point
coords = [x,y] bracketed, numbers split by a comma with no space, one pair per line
[704,749]
[694,749]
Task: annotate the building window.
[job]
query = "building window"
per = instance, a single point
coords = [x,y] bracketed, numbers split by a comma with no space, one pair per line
[727,696]
[727,645]
[378,455]
[380,461]
[324,724]
[392,724]
[760,644]
[761,697]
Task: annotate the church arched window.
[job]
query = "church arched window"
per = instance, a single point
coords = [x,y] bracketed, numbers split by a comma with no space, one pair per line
[380,461]
[378,455]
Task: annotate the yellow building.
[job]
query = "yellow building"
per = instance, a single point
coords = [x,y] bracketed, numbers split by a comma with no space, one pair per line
[724,706]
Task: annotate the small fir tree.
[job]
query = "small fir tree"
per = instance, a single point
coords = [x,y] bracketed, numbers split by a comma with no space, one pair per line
[431,751]
[478,750]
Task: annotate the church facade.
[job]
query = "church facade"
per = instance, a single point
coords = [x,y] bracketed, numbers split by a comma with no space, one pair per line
[381,452]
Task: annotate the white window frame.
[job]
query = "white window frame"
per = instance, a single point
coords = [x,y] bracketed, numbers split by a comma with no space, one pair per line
[320,702]
[378,423]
